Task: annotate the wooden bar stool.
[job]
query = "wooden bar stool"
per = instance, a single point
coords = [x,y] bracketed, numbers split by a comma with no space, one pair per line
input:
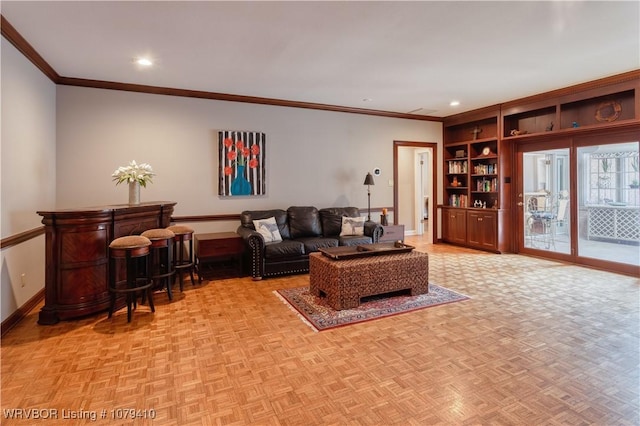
[134,250]
[161,258]
[183,256]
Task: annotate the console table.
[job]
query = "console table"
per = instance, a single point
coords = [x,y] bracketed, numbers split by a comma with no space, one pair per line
[214,248]
[77,254]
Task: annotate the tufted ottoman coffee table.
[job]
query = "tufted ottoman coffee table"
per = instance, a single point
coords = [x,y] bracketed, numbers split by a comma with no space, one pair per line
[346,281]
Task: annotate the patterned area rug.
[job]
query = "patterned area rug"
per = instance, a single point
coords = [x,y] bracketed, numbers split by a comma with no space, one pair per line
[317,314]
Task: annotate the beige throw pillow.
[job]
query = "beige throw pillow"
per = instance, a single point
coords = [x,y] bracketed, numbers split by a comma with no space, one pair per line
[352,226]
[269,229]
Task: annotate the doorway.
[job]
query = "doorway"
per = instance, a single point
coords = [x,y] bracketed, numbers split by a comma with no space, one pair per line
[414,189]
[578,199]
[423,192]
[543,188]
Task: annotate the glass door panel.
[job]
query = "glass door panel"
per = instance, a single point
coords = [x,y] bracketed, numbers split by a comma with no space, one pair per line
[545,200]
[609,202]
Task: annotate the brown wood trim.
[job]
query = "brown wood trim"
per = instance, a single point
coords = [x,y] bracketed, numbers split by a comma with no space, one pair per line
[434,178]
[168,91]
[492,111]
[21,237]
[375,209]
[23,46]
[565,91]
[21,312]
[12,35]
[230,217]
[627,125]
[32,233]
[206,218]
[604,265]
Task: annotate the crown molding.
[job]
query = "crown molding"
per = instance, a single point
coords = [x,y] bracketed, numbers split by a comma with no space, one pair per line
[23,46]
[12,35]
[169,91]
[575,89]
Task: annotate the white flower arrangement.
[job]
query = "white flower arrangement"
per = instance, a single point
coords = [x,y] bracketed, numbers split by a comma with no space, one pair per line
[141,173]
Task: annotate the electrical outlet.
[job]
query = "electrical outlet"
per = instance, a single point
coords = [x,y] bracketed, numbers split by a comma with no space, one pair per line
[23,279]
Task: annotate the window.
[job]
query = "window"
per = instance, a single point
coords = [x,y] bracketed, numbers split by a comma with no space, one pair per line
[612,177]
[609,202]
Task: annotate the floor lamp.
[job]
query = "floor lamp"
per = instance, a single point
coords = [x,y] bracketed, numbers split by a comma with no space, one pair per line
[368,180]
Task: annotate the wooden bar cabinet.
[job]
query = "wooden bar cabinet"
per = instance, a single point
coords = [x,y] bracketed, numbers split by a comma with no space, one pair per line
[77,254]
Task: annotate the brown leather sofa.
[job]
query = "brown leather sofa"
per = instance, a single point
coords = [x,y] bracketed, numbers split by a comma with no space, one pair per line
[303,230]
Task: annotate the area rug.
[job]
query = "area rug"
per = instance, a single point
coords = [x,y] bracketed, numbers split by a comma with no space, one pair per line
[317,314]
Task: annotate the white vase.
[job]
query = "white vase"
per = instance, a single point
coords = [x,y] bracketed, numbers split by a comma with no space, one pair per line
[134,193]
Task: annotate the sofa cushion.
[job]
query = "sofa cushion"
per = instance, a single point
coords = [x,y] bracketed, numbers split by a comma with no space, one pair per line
[331,224]
[331,219]
[312,244]
[248,216]
[352,226]
[304,222]
[352,240]
[283,249]
[269,229]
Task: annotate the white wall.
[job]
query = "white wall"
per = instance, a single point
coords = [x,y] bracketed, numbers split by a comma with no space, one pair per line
[313,157]
[61,144]
[28,173]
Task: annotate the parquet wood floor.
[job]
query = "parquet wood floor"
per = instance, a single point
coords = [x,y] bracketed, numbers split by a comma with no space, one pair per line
[538,343]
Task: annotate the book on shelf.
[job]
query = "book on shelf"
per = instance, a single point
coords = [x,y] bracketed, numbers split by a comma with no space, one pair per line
[458,200]
[485,169]
[487,185]
[457,167]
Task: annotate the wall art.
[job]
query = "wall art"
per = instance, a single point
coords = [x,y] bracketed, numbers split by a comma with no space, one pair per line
[241,156]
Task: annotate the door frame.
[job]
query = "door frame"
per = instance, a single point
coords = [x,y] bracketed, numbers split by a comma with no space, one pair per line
[419,207]
[521,148]
[596,137]
[434,179]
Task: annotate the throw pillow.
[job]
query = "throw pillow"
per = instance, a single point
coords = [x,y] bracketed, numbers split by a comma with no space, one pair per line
[269,229]
[352,226]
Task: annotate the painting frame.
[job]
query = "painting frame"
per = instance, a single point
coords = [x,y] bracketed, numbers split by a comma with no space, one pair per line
[241,163]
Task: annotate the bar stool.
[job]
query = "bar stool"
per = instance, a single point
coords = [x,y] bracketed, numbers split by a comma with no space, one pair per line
[161,258]
[183,256]
[134,250]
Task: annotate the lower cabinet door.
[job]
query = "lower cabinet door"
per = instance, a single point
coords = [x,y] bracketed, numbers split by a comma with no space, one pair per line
[454,226]
[482,230]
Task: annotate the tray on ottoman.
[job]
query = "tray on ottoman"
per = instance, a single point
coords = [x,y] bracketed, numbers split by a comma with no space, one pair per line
[366,250]
[345,282]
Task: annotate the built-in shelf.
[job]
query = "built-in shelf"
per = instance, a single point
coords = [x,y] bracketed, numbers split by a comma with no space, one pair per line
[569,114]
[479,161]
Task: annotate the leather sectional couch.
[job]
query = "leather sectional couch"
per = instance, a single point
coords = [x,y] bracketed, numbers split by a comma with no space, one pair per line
[303,230]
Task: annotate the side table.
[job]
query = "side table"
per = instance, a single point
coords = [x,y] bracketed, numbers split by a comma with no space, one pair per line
[392,233]
[215,250]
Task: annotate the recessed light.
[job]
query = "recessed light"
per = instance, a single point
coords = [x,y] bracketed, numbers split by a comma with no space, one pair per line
[366,100]
[454,103]
[145,62]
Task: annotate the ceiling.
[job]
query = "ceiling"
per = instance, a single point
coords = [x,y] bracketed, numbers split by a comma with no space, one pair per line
[390,56]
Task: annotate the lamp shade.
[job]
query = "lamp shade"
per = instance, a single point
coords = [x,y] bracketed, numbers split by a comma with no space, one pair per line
[368,180]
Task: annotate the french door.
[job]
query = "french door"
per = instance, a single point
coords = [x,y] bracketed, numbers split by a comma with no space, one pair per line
[544,199]
[578,199]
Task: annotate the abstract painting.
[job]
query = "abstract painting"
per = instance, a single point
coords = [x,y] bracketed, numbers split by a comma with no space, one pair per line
[241,157]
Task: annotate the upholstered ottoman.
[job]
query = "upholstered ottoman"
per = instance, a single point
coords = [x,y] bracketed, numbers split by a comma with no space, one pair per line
[345,282]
